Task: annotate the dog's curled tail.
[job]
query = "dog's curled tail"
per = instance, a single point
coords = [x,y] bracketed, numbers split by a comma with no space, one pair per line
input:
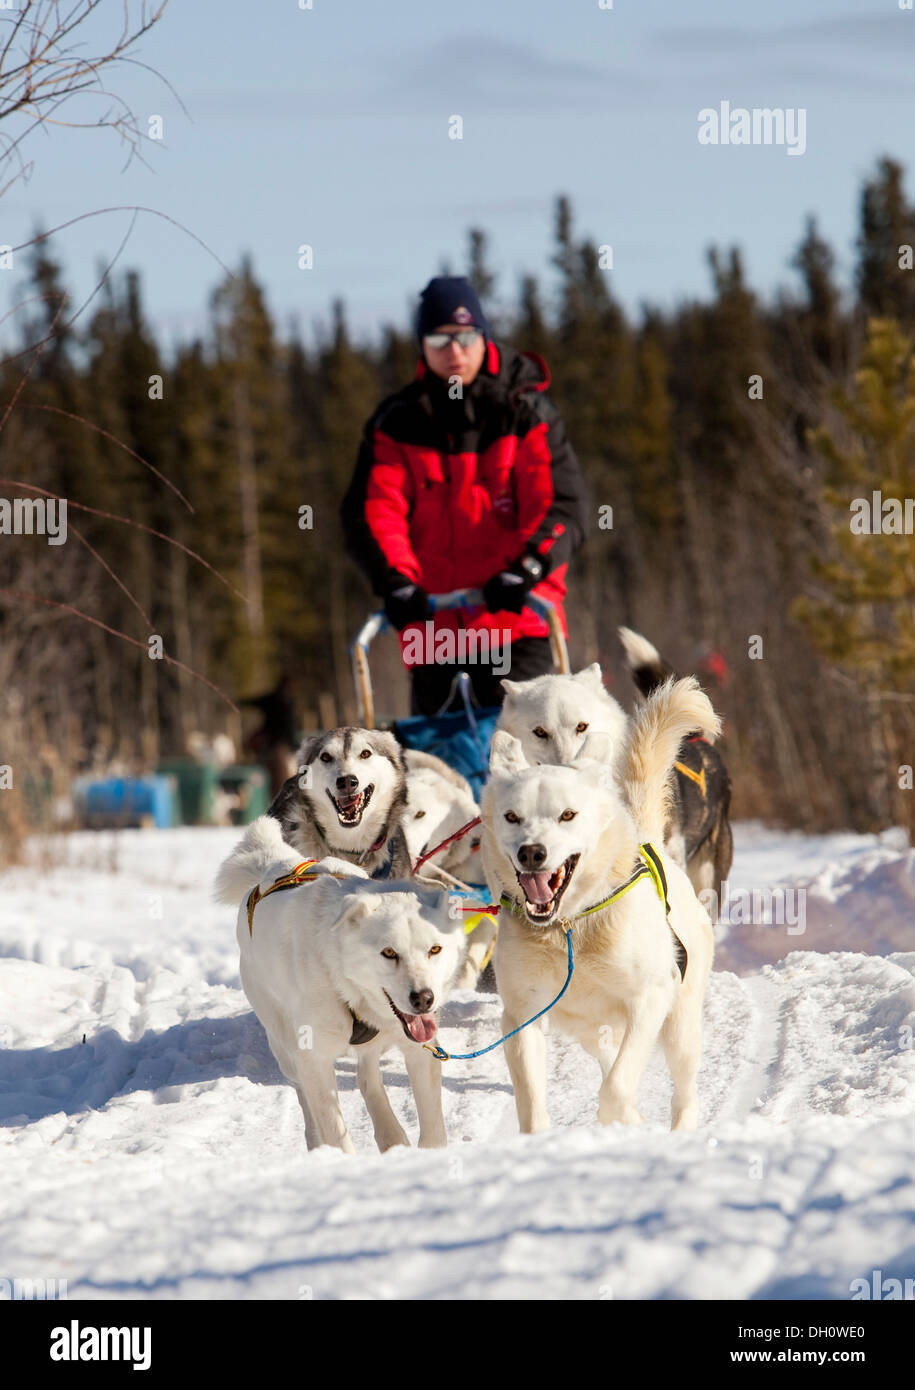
[672,712]
[261,848]
[648,667]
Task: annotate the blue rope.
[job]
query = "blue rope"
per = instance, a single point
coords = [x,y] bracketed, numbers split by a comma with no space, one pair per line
[441,1055]
[464,688]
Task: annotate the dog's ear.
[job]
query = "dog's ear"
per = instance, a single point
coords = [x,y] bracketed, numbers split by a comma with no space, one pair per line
[506,753]
[591,675]
[387,744]
[597,748]
[307,750]
[511,689]
[354,909]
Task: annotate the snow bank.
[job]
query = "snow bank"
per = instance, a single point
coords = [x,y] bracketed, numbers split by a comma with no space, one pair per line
[819,893]
[164,1156]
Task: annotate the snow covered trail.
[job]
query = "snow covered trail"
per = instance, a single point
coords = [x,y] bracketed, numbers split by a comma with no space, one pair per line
[164,1156]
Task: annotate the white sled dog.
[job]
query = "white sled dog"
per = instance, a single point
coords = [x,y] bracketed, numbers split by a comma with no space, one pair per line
[557,844]
[551,716]
[439,803]
[343,965]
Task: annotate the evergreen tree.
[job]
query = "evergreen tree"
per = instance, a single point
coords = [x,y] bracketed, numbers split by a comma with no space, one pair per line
[862,615]
[479,273]
[865,619]
[250,412]
[820,319]
[530,330]
[349,393]
[887,226]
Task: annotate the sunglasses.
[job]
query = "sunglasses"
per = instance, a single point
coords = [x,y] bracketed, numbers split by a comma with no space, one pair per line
[465,339]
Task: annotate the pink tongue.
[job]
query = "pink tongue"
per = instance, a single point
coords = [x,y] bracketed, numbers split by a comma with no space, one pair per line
[421,1026]
[536,887]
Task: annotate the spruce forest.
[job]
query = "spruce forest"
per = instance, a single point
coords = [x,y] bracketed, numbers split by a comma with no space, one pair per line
[723,443]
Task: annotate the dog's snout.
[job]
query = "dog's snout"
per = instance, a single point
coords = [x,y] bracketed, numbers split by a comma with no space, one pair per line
[348,783]
[422,1000]
[532,857]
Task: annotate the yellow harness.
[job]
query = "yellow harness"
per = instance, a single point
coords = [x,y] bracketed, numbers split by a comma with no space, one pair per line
[650,867]
[473,921]
[475,918]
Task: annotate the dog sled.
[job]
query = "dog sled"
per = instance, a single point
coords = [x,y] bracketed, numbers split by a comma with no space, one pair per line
[461,738]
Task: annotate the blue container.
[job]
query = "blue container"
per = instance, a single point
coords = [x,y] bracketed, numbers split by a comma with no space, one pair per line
[130,801]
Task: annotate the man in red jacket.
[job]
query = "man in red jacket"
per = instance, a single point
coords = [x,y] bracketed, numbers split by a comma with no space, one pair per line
[465,479]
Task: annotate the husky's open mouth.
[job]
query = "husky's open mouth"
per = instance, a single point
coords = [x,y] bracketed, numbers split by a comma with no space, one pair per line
[543,892]
[418,1027]
[349,808]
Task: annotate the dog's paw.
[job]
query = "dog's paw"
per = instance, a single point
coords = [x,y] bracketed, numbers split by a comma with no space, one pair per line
[391,1141]
[614,1111]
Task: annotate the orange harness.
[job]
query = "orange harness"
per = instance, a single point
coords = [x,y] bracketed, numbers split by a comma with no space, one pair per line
[302,873]
[697,777]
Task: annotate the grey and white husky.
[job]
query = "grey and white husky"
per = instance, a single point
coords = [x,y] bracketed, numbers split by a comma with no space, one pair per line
[348,800]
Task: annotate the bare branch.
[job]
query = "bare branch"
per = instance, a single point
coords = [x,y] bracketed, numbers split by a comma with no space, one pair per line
[105,566]
[87,617]
[81,420]
[128,207]
[43,65]
[129,521]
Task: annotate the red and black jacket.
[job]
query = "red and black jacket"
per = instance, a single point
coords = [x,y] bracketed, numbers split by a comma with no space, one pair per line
[447,493]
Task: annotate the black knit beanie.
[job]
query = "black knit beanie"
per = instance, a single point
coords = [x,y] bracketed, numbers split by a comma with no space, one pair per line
[449,299]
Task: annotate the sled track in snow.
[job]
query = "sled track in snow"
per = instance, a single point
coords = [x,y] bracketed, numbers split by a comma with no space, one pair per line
[165,1157]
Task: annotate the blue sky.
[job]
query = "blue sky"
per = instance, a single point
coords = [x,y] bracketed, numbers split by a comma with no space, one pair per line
[329,126]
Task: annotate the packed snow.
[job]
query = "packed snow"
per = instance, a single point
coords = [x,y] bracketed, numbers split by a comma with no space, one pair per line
[153,1149]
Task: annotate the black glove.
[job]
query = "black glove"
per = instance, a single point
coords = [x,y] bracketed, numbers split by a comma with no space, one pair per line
[407,605]
[507,591]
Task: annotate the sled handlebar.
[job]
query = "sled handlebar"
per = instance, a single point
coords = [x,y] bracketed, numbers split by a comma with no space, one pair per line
[457,598]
